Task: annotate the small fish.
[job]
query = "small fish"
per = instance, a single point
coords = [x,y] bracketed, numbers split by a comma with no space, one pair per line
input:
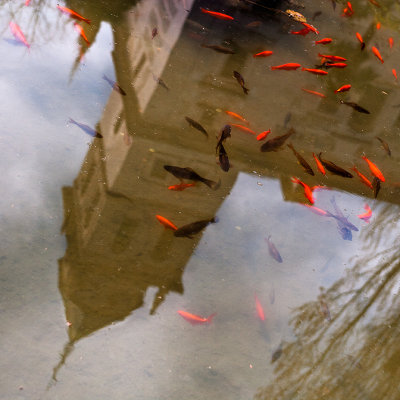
[325,310]
[277,354]
[263,135]
[196,319]
[259,308]
[340,217]
[313,92]
[335,169]
[375,3]
[316,14]
[273,252]
[217,14]
[223,158]
[286,67]
[377,54]
[160,82]
[376,184]
[114,85]
[319,165]
[302,32]
[362,177]
[359,37]
[308,193]
[188,173]
[374,169]
[17,33]
[86,128]
[73,14]
[390,40]
[323,41]
[193,228]
[332,58]
[367,215]
[181,186]
[264,53]
[394,73]
[343,88]
[277,142]
[244,129]
[355,106]
[385,146]
[154,33]
[254,24]
[196,125]
[27,2]
[296,16]
[218,49]
[316,210]
[237,116]
[240,80]
[348,11]
[378,25]
[287,119]
[225,134]
[315,71]
[166,223]
[310,27]
[301,160]
[336,65]
[344,231]
[80,30]
[333,4]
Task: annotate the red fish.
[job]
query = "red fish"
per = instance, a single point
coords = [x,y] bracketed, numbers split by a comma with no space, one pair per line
[343,88]
[302,32]
[196,319]
[333,58]
[315,71]
[27,2]
[390,40]
[336,65]
[260,311]
[237,116]
[167,223]
[73,14]
[377,54]
[362,177]
[263,135]
[348,11]
[264,53]
[310,27]
[378,25]
[244,129]
[181,186]
[319,165]
[80,30]
[316,210]
[394,73]
[323,41]
[17,32]
[217,14]
[287,67]
[307,190]
[374,169]
[375,3]
[359,37]
[313,92]
[367,215]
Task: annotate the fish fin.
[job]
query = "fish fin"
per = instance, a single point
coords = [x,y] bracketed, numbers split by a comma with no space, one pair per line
[211,317]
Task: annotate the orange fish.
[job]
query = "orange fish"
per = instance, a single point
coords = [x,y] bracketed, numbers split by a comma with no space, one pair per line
[263,135]
[80,30]
[315,71]
[181,186]
[244,129]
[73,14]
[287,67]
[374,169]
[260,311]
[316,210]
[307,190]
[348,11]
[367,215]
[310,27]
[196,319]
[217,14]
[378,25]
[237,116]
[27,2]
[359,37]
[375,3]
[394,73]
[167,223]
[313,92]
[378,55]
[17,32]
[319,165]
[336,65]
[303,32]
[333,58]
[323,41]
[390,40]
[343,88]
[264,53]
[362,177]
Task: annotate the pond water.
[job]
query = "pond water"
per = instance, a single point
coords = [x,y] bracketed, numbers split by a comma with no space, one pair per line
[91,283]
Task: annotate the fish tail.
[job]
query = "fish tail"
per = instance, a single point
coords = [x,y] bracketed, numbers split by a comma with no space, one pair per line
[245,90]
[210,318]
[71,121]
[211,184]
[303,69]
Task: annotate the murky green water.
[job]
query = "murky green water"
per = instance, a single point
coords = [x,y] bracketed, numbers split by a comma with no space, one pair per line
[91,283]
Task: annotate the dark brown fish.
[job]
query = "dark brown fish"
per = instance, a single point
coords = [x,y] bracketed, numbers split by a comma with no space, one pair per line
[301,160]
[217,48]
[240,80]
[277,142]
[193,228]
[225,134]
[376,185]
[196,125]
[385,146]
[223,158]
[355,106]
[188,173]
[154,33]
[335,169]
[274,253]
[114,85]
[316,14]
[333,4]
[276,354]
[160,82]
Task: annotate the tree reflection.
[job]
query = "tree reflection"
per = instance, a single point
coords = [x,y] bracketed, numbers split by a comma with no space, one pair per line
[357,353]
